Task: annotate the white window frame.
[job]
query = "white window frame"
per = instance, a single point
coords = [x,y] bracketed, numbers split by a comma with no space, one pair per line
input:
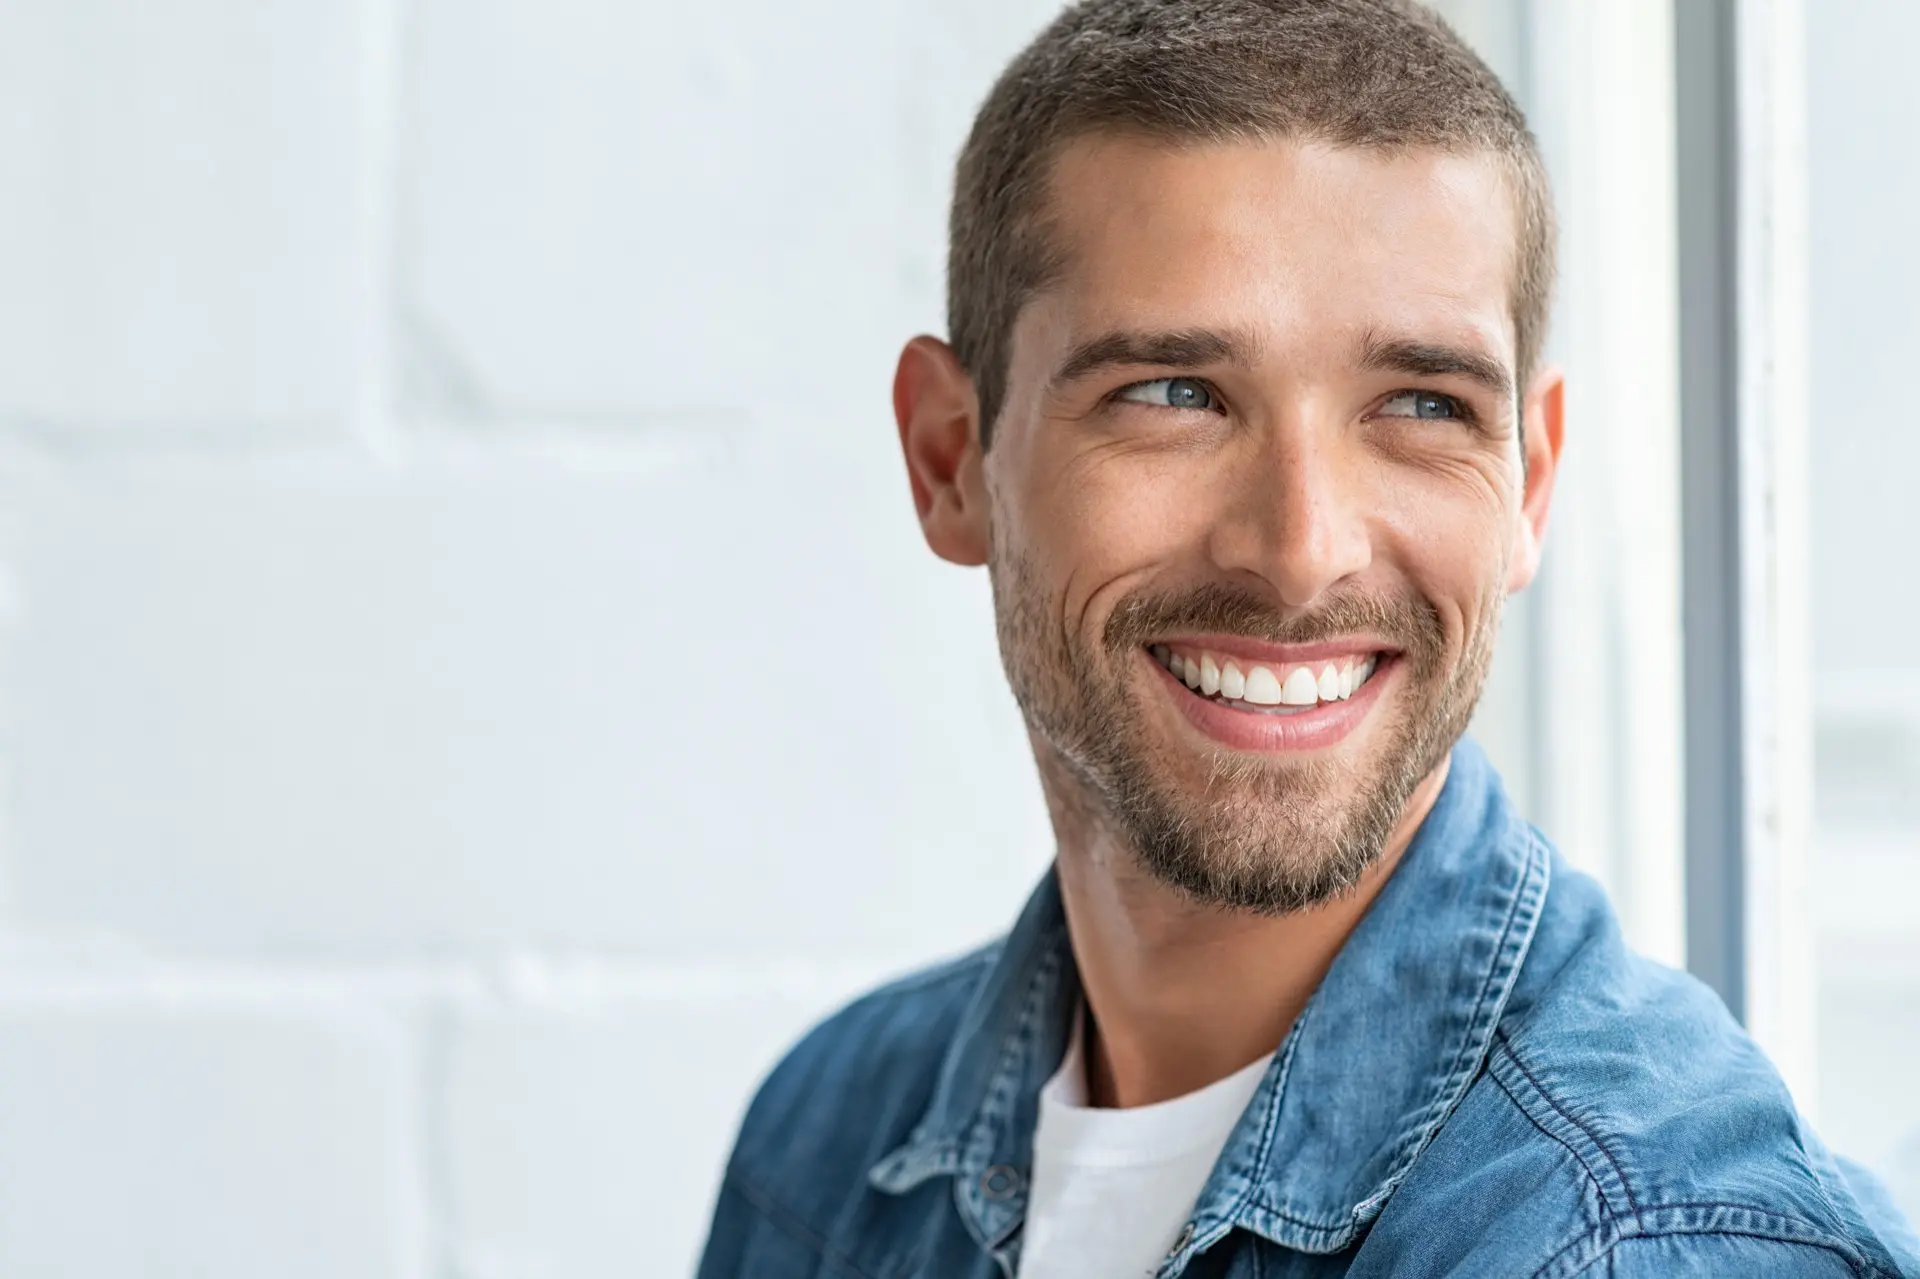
[1741,130]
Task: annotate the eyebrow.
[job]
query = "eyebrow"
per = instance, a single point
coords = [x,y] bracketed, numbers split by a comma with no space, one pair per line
[1181,348]
[1427,359]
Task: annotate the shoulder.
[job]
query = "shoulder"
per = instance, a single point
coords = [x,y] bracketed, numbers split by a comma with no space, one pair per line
[851,1090]
[1673,1146]
[1641,1129]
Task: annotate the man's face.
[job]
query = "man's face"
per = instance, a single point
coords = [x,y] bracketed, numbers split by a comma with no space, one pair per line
[1256,496]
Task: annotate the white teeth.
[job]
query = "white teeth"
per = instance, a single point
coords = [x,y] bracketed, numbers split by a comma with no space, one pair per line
[1262,688]
[1212,676]
[1302,688]
[1232,683]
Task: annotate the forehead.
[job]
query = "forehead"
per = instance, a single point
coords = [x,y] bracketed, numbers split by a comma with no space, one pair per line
[1299,242]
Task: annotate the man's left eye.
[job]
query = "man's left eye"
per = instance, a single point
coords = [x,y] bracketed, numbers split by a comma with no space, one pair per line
[1422,404]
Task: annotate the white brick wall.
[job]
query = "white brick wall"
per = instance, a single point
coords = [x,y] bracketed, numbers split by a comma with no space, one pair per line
[179,233]
[470,689]
[175,1134]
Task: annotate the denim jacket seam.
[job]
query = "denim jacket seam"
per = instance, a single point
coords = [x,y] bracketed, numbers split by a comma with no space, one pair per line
[1593,1179]
[1475,1047]
[1773,1227]
[976,1134]
[785,1221]
[1002,1084]
[1819,1182]
[1254,1192]
[1584,1129]
[997,1105]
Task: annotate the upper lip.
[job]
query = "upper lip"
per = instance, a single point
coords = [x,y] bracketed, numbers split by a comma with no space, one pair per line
[1261,652]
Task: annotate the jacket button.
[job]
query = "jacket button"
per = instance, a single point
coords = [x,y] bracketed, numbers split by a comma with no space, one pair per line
[1000,1181]
[1186,1237]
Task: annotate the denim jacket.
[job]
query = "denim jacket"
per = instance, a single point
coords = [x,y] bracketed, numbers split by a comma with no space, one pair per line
[1487,1083]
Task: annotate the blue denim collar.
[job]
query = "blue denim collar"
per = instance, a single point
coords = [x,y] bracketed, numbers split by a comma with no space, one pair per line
[1374,1065]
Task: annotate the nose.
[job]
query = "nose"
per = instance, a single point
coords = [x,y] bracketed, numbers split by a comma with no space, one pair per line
[1297,517]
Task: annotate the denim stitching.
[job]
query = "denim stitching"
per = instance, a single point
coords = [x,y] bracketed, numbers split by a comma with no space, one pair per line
[1782,1232]
[1475,1046]
[1002,1092]
[1599,1187]
[1414,1139]
[1514,1056]
[1254,1192]
[1768,1225]
[1503,966]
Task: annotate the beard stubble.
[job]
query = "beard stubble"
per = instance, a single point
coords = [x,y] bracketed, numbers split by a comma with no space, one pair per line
[1271,837]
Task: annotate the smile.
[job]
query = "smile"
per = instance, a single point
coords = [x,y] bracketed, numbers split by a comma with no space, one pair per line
[1269,689]
[1262,698]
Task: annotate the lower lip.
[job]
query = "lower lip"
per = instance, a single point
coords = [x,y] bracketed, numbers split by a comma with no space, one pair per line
[1312,729]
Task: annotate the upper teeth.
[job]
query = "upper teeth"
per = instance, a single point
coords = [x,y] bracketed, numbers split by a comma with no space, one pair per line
[1301,685]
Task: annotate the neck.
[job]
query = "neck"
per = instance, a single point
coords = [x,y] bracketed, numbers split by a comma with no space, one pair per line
[1179,993]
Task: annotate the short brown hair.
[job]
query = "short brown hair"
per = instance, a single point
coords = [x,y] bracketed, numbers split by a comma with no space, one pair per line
[1385,74]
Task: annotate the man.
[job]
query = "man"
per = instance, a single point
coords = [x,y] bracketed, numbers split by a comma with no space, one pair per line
[1243,413]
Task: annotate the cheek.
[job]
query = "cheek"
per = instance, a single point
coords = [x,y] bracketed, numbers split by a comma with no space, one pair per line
[1107,519]
[1450,535]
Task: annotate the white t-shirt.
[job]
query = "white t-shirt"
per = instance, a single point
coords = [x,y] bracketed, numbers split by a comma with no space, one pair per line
[1111,1189]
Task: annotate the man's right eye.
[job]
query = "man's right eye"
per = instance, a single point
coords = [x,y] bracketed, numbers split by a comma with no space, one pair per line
[1171,393]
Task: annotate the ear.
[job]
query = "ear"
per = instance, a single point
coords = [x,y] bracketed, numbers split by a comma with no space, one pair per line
[1544,413]
[938,413]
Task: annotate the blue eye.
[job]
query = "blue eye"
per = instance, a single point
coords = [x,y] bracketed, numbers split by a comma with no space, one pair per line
[1422,404]
[1170,393]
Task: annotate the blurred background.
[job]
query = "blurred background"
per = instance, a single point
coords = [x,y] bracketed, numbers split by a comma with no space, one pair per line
[472,690]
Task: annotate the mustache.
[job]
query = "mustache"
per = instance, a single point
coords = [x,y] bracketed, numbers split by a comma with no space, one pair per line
[1408,622]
